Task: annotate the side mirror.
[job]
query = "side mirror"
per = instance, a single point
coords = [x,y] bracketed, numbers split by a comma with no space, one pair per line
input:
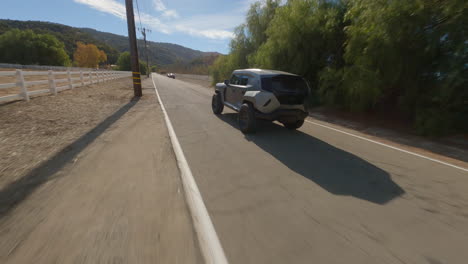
[226,82]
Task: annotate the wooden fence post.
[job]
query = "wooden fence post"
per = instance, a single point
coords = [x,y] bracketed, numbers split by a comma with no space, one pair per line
[70,84]
[90,73]
[20,82]
[52,86]
[81,78]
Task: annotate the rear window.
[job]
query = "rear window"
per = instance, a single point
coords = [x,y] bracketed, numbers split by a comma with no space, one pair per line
[287,83]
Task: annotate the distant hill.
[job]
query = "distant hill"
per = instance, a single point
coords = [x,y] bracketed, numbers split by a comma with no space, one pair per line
[160,53]
[68,35]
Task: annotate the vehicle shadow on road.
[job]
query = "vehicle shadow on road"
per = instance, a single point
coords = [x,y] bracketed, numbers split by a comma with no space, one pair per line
[17,191]
[337,171]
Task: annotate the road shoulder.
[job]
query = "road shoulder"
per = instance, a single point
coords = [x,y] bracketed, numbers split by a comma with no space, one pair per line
[119,200]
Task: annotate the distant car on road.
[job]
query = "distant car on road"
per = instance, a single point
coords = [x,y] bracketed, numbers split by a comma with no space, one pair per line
[171,75]
[264,94]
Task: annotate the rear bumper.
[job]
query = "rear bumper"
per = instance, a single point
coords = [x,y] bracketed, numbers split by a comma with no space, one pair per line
[283,115]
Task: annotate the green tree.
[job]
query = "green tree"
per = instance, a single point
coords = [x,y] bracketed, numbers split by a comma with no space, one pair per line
[143,68]
[27,47]
[124,63]
[409,56]
[247,39]
[304,37]
[404,57]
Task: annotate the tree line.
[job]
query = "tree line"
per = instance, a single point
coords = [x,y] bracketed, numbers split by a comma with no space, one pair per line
[68,35]
[405,57]
[29,48]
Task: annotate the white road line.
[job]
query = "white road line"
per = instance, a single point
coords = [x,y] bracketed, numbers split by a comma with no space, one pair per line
[208,239]
[388,146]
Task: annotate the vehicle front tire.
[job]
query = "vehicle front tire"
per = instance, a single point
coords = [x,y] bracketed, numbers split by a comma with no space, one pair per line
[294,125]
[246,119]
[217,104]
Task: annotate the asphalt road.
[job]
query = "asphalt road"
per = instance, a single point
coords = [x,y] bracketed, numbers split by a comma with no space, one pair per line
[316,195]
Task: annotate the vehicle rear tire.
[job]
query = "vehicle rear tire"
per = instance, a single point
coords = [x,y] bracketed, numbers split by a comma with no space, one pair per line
[217,104]
[294,125]
[246,119]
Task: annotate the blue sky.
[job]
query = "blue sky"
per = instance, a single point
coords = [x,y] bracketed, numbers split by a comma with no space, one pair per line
[205,25]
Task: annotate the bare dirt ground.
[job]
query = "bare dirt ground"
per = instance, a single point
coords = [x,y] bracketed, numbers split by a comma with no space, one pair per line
[32,132]
[93,179]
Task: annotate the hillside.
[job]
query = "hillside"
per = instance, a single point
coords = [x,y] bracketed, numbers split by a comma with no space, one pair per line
[160,53]
[68,35]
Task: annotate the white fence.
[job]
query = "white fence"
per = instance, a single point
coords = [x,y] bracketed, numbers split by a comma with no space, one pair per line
[48,83]
[45,67]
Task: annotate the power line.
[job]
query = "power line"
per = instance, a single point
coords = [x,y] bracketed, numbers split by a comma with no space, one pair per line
[138,10]
[143,32]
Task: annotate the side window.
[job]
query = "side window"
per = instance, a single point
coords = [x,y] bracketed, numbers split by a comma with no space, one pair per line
[234,79]
[243,80]
[237,79]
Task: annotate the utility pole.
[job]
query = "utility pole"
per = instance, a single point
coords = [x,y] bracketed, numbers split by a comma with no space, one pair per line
[143,32]
[133,49]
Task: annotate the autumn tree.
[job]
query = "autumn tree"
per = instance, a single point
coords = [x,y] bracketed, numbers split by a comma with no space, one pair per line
[88,55]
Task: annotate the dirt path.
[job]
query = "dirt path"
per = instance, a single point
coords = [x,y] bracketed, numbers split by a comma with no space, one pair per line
[112,196]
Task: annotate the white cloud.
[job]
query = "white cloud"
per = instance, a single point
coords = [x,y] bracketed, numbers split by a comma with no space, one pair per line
[161,7]
[208,33]
[170,14]
[226,21]
[200,26]
[108,6]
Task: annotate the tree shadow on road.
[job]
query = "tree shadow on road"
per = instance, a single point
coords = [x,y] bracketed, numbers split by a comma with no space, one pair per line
[17,191]
[335,170]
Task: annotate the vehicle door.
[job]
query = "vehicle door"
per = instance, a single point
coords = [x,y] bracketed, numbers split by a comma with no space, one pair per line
[241,88]
[230,93]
